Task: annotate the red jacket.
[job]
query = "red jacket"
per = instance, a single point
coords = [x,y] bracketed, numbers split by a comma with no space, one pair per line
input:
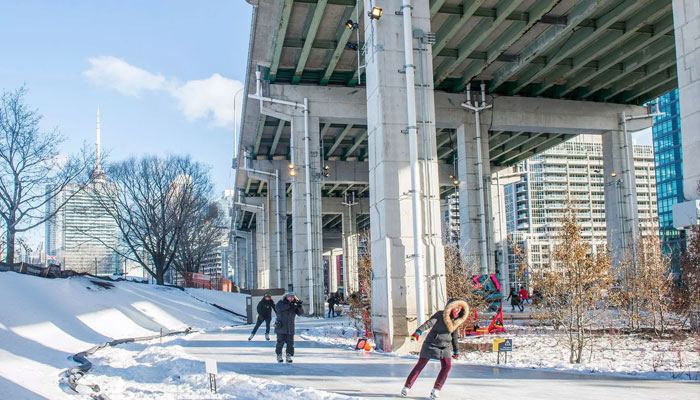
[523,294]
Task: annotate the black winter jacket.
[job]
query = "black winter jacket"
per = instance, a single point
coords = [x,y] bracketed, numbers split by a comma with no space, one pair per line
[265,308]
[286,315]
[441,342]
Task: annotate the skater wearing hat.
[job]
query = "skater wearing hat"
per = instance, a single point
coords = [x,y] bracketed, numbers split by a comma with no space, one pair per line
[287,310]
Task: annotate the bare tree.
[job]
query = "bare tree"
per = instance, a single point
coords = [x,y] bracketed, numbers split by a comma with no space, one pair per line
[459,282]
[645,285]
[575,287]
[200,236]
[32,170]
[688,288]
[152,200]
[361,301]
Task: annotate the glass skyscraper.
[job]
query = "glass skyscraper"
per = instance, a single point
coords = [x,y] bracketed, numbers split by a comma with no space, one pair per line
[668,159]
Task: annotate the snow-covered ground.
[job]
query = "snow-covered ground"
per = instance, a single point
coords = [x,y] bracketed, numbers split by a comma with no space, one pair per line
[543,348]
[155,370]
[43,322]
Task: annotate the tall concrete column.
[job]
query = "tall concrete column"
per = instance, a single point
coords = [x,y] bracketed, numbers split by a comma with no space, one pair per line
[350,259]
[304,247]
[333,271]
[470,231]
[394,282]
[686,22]
[262,269]
[620,199]
[277,226]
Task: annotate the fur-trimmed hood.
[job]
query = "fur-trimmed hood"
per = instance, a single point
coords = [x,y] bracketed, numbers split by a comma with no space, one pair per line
[453,324]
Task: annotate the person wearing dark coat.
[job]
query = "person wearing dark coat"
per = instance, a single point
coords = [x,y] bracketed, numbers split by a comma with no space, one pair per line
[287,310]
[265,308]
[514,300]
[440,344]
[332,301]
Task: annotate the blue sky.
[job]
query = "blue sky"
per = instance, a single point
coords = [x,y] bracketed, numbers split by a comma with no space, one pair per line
[163,73]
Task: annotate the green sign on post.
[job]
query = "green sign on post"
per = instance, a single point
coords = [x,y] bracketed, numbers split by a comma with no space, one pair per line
[502,346]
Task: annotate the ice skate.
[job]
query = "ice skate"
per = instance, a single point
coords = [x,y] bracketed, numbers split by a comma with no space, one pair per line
[434,394]
[279,358]
[404,391]
[289,358]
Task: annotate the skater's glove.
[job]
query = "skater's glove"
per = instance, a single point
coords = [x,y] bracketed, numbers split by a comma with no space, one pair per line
[415,336]
[456,355]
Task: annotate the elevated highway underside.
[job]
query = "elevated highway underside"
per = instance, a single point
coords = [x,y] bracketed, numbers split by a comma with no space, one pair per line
[551,69]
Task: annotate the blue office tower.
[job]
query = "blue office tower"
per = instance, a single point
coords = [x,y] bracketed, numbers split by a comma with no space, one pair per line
[668,159]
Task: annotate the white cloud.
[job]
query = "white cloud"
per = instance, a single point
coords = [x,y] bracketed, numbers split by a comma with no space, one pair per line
[117,74]
[210,98]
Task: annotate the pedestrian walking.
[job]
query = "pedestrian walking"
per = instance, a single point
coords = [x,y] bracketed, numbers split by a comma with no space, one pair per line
[524,296]
[443,335]
[287,310]
[265,308]
[514,300]
[332,301]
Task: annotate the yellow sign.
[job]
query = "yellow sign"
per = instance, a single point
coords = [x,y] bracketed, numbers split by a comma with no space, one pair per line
[496,342]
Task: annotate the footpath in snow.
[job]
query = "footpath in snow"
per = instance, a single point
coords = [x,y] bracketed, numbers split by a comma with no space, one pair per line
[371,375]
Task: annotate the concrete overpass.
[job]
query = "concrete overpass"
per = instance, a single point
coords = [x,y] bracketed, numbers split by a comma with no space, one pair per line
[330,128]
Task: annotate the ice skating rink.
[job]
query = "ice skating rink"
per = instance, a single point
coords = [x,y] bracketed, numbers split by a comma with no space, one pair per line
[376,376]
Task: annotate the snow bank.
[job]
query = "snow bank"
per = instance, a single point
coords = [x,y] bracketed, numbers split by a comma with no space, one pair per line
[166,371]
[45,321]
[230,301]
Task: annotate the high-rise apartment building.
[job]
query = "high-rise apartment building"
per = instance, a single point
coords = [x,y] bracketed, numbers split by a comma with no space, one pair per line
[570,173]
[668,158]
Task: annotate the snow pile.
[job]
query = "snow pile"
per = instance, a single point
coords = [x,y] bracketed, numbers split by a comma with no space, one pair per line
[544,348]
[231,301]
[343,334]
[45,321]
[609,354]
[166,371]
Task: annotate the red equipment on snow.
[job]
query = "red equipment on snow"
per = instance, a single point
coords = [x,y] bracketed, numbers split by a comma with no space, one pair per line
[496,325]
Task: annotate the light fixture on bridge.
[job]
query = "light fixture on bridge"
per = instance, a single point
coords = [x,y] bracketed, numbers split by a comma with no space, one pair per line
[350,24]
[452,176]
[292,171]
[455,182]
[326,167]
[376,13]
[614,174]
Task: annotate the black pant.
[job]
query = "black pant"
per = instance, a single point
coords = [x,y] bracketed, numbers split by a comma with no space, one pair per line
[283,338]
[260,321]
[331,309]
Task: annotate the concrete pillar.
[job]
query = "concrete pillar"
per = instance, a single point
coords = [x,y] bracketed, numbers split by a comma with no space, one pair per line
[262,269]
[686,22]
[244,259]
[333,271]
[350,259]
[394,282]
[620,199]
[273,229]
[470,239]
[500,234]
[304,247]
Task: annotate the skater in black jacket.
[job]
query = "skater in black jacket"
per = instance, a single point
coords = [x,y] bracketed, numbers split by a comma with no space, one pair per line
[265,308]
[287,310]
[441,339]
